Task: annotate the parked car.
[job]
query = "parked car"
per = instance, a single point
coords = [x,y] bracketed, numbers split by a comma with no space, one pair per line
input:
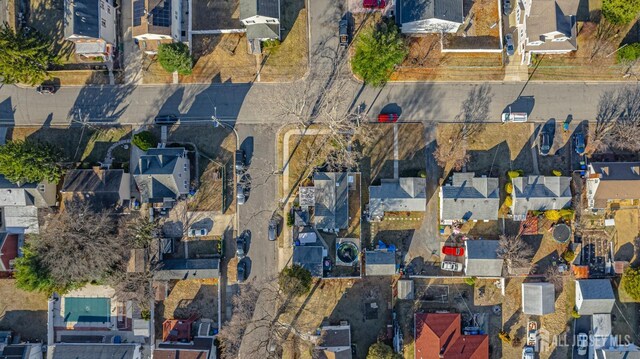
[528,353]
[508,40]
[545,144]
[582,343]
[579,137]
[241,245]
[273,230]
[514,117]
[453,251]
[374,4]
[240,194]
[198,232]
[46,89]
[166,119]
[343,31]
[388,117]
[451,266]
[240,160]
[242,271]
[506,7]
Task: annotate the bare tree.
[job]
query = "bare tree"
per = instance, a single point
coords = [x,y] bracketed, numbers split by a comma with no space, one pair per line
[617,121]
[451,153]
[516,252]
[554,276]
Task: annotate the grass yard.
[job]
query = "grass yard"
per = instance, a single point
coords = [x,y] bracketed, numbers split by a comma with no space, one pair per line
[188,297]
[305,153]
[626,233]
[88,146]
[23,312]
[153,73]
[209,196]
[379,155]
[81,77]
[221,58]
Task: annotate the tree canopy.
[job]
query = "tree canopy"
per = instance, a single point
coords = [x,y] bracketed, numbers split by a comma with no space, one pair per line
[76,246]
[144,140]
[380,350]
[378,51]
[295,280]
[30,161]
[631,282]
[175,57]
[24,56]
[620,12]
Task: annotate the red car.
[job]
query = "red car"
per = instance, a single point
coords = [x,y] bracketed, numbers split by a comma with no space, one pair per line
[388,117]
[374,4]
[453,251]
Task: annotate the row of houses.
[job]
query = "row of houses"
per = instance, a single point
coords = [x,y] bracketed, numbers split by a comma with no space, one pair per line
[92,24]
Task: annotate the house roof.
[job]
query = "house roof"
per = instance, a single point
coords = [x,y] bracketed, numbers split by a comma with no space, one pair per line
[551,16]
[82,18]
[334,342]
[601,325]
[198,348]
[617,180]
[20,351]
[380,262]
[156,171]
[307,196]
[151,17]
[438,335]
[535,193]
[99,185]
[416,10]
[331,210]
[26,194]
[482,258]
[310,258]
[21,219]
[95,351]
[396,195]
[470,198]
[538,298]
[9,248]
[267,8]
[263,31]
[182,269]
[597,296]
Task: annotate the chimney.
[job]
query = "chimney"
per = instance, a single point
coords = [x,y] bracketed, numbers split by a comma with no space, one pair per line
[605,170]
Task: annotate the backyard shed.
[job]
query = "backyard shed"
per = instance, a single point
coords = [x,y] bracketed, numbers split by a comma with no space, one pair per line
[538,298]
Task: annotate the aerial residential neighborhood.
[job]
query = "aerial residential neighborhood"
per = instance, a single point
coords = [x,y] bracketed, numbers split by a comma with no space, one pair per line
[372,179]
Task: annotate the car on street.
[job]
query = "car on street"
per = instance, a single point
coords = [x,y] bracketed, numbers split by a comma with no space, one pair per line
[241,158]
[545,144]
[241,245]
[508,40]
[273,230]
[241,195]
[166,119]
[453,251]
[46,89]
[528,353]
[506,7]
[582,343]
[242,271]
[343,31]
[579,143]
[388,117]
[451,266]
[374,4]
[198,232]
[514,117]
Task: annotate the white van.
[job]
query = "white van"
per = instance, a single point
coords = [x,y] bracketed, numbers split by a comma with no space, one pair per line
[514,117]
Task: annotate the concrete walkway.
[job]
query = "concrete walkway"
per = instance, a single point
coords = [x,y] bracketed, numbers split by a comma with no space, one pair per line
[396,156]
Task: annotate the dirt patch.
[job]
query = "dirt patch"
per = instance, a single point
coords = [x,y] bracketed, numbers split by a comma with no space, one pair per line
[87,146]
[23,312]
[485,19]
[188,297]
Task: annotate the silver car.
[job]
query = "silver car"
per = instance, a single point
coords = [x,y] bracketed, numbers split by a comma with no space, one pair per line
[240,194]
[508,40]
[451,266]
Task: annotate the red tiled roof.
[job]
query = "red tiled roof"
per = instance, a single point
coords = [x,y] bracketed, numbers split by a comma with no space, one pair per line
[174,330]
[441,332]
[8,250]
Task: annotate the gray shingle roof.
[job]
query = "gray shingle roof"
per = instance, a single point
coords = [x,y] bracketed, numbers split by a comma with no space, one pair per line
[551,16]
[105,183]
[416,10]
[404,194]
[263,31]
[537,193]
[482,258]
[82,18]
[470,198]
[380,263]
[156,174]
[181,269]
[331,210]
[94,351]
[27,194]
[597,296]
[268,8]
[310,258]
[538,298]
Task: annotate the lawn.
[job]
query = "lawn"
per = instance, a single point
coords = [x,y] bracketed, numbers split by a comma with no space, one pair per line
[626,234]
[379,155]
[86,146]
[305,153]
[189,297]
[23,312]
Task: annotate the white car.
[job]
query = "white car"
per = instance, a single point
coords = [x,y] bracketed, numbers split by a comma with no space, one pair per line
[451,266]
[514,117]
[583,343]
[508,40]
[527,353]
[200,232]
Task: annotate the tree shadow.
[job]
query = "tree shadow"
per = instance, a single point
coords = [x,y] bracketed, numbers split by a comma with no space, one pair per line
[100,104]
[31,325]
[7,112]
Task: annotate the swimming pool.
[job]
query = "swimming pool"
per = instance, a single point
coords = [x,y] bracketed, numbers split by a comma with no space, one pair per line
[84,310]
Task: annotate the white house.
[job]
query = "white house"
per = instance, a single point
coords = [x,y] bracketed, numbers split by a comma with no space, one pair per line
[261,18]
[429,16]
[546,27]
[91,25]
